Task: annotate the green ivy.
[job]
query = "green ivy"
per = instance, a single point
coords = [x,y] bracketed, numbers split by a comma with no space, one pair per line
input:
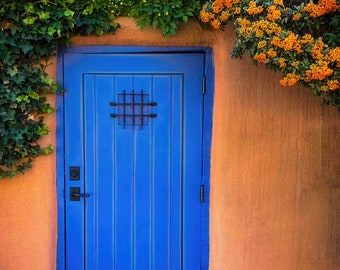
[30,33]
[164,14]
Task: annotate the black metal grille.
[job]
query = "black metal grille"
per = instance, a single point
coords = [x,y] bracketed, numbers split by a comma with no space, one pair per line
[133,109]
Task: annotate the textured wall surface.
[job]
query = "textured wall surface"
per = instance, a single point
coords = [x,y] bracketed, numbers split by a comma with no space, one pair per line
[275,171]
[28,212]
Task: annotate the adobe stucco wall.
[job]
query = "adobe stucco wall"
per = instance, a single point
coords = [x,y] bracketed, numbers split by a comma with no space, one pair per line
[28,215]
[275,171]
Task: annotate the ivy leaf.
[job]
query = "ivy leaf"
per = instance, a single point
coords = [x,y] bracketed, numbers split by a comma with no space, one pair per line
[43,15]
[68,13]
[48,150]
[29,20]
[33,95]
[41,130]
[51,31]
[12,71]
[22,98]
[26,47]
[29,8]
[47,109]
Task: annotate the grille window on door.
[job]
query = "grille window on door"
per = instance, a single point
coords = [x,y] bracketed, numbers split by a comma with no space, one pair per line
[133,109]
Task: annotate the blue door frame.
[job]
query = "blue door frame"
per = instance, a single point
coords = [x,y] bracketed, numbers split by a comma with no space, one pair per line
[207,128]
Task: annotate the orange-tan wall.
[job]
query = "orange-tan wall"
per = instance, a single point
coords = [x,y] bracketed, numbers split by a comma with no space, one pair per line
[275,171]
[28,212]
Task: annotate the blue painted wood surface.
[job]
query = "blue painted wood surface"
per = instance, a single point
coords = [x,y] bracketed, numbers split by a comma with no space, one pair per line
[144,210]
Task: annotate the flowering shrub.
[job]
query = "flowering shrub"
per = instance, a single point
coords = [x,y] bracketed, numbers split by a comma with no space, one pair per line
[300,41]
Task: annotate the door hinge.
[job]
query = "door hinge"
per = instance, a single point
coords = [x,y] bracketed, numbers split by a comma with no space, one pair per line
[202,193]
[204,85]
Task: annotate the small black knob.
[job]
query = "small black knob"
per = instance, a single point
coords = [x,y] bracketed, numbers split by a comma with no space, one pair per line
[74,173]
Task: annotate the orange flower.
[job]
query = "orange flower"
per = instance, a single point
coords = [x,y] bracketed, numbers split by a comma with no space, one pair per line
[260,57]
[291,42]
[318,71]
[290,79]
[321,8]
[216,24]
[217,6]
[273,13]
[245,32]
[244,28]
[253,9]
[204,16]
[271,53]
[276,41]
[296,16]
[258,33]
[243,22]
[334,56]
[224,16]
[282,62]
[262,44]
[333,85]
[237,10]
[269,27]
[307,38]
[316,51]
[278,2]
[230,3]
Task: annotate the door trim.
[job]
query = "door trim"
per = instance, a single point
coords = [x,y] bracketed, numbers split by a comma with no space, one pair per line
[207,135]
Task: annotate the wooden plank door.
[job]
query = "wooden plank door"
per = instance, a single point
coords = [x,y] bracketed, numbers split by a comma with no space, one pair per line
[133,157]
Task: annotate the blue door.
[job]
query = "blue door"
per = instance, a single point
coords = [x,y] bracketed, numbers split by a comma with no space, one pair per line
[133,160]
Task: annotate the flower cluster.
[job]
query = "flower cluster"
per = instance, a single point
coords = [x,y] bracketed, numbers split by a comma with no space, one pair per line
[253,9]
[321,8]
[289,43]
[273,13]
[219,12]
[284,38]
[290,79]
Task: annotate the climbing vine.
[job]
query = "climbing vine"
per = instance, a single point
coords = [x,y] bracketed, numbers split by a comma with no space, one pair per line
[31,32]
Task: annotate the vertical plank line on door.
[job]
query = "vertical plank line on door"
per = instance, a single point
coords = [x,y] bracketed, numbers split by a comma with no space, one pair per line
[113,95]
[133,184]
[83,101]
[181,168]
[152,168]
[95,184]
[115,202]
[85,160]
[170,168]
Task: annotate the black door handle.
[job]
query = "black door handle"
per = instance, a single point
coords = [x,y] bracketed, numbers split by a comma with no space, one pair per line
[80,195]
[75,194]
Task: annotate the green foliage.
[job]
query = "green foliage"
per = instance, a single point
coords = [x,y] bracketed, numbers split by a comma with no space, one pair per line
[29,36]
[164,14]
[332,35]
[122,7]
